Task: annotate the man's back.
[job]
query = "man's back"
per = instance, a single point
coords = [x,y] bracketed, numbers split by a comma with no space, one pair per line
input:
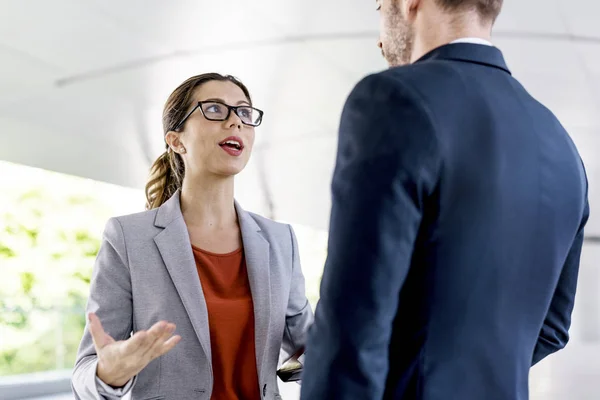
[486,206]
[497,230]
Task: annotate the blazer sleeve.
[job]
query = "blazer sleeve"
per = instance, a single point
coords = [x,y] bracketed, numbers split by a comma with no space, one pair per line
[299,315]
[110,298]
[554,334]
[387,165]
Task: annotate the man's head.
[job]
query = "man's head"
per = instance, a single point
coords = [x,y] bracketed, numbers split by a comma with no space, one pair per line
[403,20]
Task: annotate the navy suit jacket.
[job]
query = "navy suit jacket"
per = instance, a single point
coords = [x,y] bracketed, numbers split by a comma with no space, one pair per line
[459,203]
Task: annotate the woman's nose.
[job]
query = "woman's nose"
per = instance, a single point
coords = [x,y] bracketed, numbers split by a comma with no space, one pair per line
[234,120]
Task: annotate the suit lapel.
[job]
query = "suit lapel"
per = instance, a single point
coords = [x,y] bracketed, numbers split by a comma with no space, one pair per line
[176,251]
[256,249]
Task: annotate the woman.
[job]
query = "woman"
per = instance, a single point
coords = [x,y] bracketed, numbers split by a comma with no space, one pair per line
[229,282]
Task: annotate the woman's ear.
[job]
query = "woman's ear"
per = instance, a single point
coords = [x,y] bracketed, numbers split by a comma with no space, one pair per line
[173,139]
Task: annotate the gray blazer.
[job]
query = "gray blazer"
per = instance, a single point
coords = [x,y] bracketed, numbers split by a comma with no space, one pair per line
[145,272]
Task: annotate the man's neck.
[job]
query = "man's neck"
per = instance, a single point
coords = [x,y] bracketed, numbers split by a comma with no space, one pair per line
[446,32]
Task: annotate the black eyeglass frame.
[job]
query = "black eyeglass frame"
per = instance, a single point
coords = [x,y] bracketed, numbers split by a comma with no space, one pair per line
[229,108]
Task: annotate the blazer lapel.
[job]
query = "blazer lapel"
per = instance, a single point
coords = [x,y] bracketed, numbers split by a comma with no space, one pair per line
[256,249]
[176,251]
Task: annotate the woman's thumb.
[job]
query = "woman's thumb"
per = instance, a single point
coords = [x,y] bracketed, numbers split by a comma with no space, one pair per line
[99,337]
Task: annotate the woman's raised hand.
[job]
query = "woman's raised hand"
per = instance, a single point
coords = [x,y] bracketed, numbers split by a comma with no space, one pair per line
[120,361]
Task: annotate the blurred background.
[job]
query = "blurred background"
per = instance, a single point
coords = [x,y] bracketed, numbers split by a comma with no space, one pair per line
[82,85]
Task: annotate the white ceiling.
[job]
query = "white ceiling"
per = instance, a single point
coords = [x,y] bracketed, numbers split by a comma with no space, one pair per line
[82,84]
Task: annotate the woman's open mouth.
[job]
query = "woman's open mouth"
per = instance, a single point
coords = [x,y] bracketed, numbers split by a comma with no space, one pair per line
[234,146]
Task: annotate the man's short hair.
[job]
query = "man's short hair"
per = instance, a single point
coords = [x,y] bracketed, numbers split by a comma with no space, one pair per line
[487,9]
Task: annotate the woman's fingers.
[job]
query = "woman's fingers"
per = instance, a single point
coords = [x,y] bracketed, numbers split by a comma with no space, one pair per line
[169,344]
[155,349]
[143,341]
[137,343]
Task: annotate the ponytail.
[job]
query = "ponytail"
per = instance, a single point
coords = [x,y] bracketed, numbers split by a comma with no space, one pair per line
[166,177]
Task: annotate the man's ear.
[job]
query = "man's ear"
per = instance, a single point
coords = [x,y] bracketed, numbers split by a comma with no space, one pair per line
[410,8]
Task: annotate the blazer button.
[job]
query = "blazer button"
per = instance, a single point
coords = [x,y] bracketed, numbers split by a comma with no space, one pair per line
[265,390]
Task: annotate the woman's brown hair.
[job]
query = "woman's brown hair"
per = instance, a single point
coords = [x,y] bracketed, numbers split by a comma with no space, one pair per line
[167,172]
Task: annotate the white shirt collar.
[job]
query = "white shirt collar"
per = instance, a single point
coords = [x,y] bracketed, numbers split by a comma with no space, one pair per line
[473,40]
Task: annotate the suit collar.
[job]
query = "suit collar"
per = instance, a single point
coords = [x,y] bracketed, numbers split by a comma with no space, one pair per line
[468,52]
[169,211]
[247,223]
[174,245]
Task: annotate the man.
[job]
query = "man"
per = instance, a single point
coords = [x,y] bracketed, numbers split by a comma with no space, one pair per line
[459,204]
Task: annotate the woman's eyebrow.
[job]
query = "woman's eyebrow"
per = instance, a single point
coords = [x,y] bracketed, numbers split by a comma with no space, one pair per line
[216,99]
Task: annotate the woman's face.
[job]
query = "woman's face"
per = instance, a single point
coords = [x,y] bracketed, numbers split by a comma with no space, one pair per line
[220,148]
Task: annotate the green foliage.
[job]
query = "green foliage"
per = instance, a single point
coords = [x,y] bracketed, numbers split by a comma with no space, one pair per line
[43,315]
[6,252]
[50,233]
[50,349]
[27,281]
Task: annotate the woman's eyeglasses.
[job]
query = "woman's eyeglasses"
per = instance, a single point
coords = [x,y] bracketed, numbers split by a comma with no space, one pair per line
[217,111]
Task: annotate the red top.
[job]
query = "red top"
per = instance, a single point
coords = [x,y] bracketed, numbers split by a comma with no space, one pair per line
[224,279]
